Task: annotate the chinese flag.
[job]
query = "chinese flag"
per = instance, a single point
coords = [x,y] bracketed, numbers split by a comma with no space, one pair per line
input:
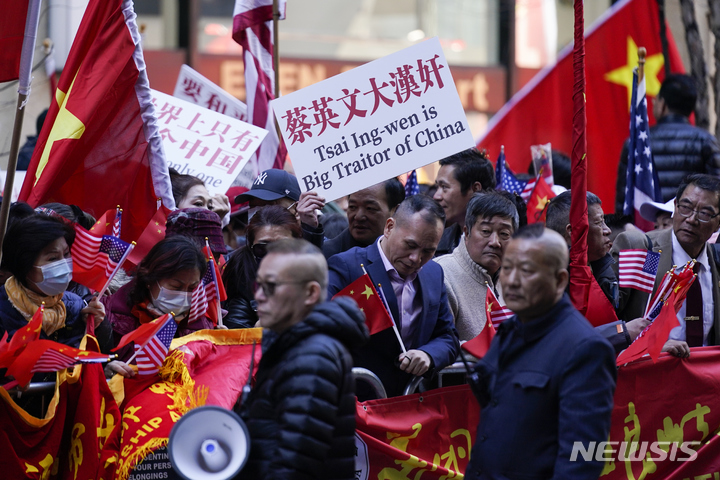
[94,150]
[542,111]
[144,333]
[478,346]
[12,31]
[652,339]
[541,195]
[22,337]
[370,303]
[153,233]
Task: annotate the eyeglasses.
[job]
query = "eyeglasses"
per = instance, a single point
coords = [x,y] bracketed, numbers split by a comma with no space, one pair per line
[292,208]
[259,250]
[268,288]
[702,215]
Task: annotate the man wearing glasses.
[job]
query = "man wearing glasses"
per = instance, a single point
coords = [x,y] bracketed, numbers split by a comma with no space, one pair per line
[696,218]
[301,412]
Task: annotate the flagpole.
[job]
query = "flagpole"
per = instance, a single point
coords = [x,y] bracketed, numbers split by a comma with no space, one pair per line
[276,58]
[387,307]
[26,61]
[117,268]
[642,53]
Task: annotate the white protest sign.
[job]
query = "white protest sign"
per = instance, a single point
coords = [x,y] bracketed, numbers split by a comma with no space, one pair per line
[203,143]
[17,183]
[374,122]
[194,88]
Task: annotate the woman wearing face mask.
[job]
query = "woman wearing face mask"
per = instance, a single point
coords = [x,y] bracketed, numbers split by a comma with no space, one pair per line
[36,251]
[269,224]
[163,283]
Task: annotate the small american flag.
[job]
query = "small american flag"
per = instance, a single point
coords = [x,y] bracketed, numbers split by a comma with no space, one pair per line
[52,360]
[638,269]
[115,249]
[528,189]
[496,312]
[505,178]
[150,357]
[411,185]
[205,296]
[117,223]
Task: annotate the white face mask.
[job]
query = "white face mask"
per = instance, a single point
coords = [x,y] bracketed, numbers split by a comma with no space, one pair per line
[172,301]
[56,276]
[252,212]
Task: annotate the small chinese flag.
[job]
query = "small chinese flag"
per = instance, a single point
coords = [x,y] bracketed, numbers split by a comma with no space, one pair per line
[653,338]
[153,233]
[541,195]
[367,298]
[479,345]
[22,337]
[496,312]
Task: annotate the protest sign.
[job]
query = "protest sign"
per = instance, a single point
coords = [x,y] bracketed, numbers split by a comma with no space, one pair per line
[17,183]
[374,122]
[203,143]
[194,88]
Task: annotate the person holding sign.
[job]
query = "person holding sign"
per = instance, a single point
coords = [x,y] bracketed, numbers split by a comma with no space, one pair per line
[278,187]
[399,265]
[460,177]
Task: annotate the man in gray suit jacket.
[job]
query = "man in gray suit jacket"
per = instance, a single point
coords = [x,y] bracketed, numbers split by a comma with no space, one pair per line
[696,218]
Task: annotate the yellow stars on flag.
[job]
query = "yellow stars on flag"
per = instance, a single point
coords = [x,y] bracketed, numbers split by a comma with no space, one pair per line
[624,75]
[368,291]
[542,201]
[65,126]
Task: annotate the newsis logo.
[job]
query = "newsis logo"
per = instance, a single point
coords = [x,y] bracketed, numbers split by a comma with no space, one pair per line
[634,451]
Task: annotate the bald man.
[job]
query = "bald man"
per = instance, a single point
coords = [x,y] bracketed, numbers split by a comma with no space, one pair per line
[301,411]
[546,385]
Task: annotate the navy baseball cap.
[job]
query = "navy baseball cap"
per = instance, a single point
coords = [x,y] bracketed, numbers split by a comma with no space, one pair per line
[272,185]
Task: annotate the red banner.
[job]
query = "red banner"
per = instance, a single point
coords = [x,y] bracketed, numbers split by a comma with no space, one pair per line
[66,443]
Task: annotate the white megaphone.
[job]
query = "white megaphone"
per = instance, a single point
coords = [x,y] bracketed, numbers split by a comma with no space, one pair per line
[209,443]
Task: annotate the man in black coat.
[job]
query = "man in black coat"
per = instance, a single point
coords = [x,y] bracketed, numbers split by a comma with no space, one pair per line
[301,412]
[678,148]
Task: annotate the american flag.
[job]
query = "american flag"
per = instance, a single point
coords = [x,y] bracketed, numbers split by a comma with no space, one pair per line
[505,178]
[52,360]
[528,189]
[253,30]
[95,258]
[638,269]
[411,185]
[116,223]
[642,179]
[151,356]
[496,312]
[204,298]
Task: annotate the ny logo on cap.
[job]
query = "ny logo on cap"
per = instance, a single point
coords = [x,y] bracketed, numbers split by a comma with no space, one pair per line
[260,180]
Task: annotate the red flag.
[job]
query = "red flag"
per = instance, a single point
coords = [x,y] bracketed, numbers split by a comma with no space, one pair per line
[363,292]
[153,233]
[144,333]
[22,337]
[12,31]
[541,195]
[253,29]
[652,339]
[479,345]
[542,111]
[48,356]
[496,312]
[100,146]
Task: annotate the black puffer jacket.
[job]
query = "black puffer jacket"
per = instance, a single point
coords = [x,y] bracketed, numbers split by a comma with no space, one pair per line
[679,149]
[301,412]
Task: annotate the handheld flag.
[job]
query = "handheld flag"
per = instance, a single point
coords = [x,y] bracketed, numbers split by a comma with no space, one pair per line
[638,269]
[21,338]
[496,313]
[505,178]
[144,333]
[209,293]
[363,292]
[154,232]
[641,178]
[479,345]
[536,205]
[652,339]
[411,184]
[150,357]
[95,258]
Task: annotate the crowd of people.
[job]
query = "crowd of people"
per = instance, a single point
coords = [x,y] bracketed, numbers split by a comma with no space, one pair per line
[433,258]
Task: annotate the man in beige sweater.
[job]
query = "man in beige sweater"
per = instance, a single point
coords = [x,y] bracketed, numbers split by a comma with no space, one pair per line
[490,221]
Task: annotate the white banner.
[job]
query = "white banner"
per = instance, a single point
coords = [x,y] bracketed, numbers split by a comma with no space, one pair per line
[194,88]
[374,122]
[204,143]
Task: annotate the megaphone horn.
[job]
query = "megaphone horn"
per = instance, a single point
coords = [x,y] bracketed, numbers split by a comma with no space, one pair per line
[209,443]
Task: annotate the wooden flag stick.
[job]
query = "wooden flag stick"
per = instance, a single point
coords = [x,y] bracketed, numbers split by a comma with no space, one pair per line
[642,53]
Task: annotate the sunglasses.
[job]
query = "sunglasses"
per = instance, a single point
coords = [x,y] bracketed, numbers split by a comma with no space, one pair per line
[268,288]
[259,250]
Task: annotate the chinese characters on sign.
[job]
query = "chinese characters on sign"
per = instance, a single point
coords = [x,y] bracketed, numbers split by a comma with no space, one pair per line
[194,88]
[374,122]
[209,145]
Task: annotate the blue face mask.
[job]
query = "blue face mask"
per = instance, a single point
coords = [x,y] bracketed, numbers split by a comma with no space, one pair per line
[172,301]
[56,276]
